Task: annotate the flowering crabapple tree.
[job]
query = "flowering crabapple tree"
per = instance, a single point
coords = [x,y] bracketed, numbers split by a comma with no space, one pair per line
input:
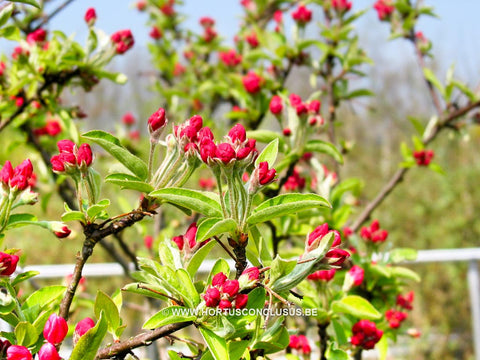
[274,204]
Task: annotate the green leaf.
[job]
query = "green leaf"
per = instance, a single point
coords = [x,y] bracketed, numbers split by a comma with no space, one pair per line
[44,296]
[437,168]
[402,272]
[169,315]
[74,216]
[382,347]
[188,291]
[97,208]
[11,32]
[216,344]
[112,145]
[26,334]
[103,303]
[88,345]
[172,355]
[127,181]
[336,354]
[324,147]
[134,288]
[269,154]
[402,254]
[24,276]
[285,204]
[280,267]
[5,14]
[17,220]
[430,76]
[117,78]
[265,136]
[215,226]
[191,199]
[356,306]
[28,2]
[95,181]
[197,258]
[358,93]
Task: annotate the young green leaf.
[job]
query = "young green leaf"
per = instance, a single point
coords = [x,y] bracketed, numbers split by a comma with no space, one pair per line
[112,145]
[127,181]
[215,226]
[169,315]
[357,306]
[324,147]
[216,344]
[269,154]
[191,199]
[197,258]
[103,303]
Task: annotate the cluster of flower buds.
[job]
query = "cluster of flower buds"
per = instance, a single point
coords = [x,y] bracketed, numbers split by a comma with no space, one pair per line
[406,301]
[301,15]
[252,82]
[373,232]
[8,264]
[278,18]
[335,256]
[365,334]
[294,182]
[230,58]
[300,343]
[209,33]
[206,184]
[71,158]
[423,157]
[252,39]
[311,108]
[322,275]
[341,6]
[385,9]
[51,128]
[395,318]
[224,293]
[123,41]
[187,242]
[38,37]
[90,16]
[167,8]
[18,178]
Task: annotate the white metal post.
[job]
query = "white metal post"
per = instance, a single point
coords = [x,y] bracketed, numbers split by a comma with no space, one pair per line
[474,290]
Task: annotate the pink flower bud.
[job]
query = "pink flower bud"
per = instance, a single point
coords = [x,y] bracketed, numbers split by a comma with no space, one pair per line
[212,297]
[196,122]
[57,163]
[224,304]
[17,352]
[341,6]
[207,21]
[90,16]
[252,40]
[55,329]
[179,241]
[336,257]
[237,133]
[8,264]
[6,173]
[66,146]
[319,232]
[230,58]
[128,119]
[65,232]
[248,149]
[148,242]
[265,175]
[365,334]
[123,41]
[37,36]
[82,327]
[395,318]
[295,100]
[155,33]
[48,352]
[219,279]
[314,106]
[208,150]
[84,156]
[191,234]
[276,105]
[230,287]
[302,15]
[252,82]
[205,133]
[141,5]
[224,152]
[252,272]
[406,301]
[385,9]
[157,120]
[241,301]
[357,274]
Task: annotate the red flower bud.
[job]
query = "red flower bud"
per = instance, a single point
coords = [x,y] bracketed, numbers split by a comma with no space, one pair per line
[123,41]
[212,297]
[276,105]
[224,152]
[302,15]
[57,163]
[314,106]
[55,329]
[406,301]
[66,146]
[247,149]
[241,301]
[385,9]
[17,352]
[237,133]
[8,264]
[219,279]
[252,82]
[336,257]
[208,150]
[225,304]
[191,234]
[82,327]
[90,16]
[157,120]
[252,40]
[357,274]
[37,36]
[207,21]
[365,334]
[179,241]
[319,232]
[205,133]
[230,58]
[295,100]
[48,352]
[395,318]
[148,242]
[230,287]
[128,119]
[6,173]
[341,6]
[265,175]
[63,233]
[196,122]
[300,343]
[84,155]
[324,275]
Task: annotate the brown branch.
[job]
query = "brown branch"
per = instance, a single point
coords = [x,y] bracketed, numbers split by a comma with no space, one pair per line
[225,248]
[124,347]
[322,334]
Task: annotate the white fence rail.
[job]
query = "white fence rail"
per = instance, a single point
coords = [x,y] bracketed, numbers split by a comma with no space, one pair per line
[470,255]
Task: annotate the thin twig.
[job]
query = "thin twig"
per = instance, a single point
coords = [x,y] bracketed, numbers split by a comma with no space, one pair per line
[225,248]
[140,286]
[55,12]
